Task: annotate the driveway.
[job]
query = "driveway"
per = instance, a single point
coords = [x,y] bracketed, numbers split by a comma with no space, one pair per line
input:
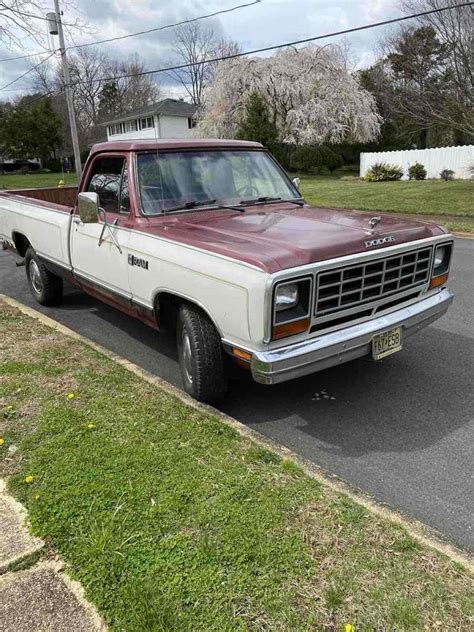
[401,431]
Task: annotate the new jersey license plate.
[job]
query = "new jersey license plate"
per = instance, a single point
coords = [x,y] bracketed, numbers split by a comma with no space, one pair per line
[386,343]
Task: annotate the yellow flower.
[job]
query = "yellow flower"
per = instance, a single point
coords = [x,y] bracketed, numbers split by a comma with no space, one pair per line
[37,496]
[71,396]
[10,407]
[348,627]
[29,479]
[2,441]
[90,426]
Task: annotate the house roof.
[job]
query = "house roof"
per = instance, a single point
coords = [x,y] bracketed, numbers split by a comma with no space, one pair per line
[168,107]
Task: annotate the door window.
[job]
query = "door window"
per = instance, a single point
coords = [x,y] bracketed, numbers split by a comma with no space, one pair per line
[109,180]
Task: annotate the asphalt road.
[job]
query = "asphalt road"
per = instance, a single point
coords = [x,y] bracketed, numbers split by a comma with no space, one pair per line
[401,430]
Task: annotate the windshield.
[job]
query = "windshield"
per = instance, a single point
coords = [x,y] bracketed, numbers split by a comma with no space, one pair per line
[182,180]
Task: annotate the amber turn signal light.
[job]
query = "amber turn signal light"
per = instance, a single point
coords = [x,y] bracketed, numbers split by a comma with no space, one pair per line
[243,355]
[290,329]
[438,280]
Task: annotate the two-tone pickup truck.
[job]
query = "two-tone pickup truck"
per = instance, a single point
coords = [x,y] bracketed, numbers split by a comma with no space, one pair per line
[212,239]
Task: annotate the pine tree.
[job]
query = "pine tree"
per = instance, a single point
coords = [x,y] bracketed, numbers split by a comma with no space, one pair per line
[256,124]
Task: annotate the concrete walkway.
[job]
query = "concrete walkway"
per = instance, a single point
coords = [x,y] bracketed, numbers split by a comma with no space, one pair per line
[35,595]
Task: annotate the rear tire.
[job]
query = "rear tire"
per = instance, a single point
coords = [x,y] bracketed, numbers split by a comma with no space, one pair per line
[46,287]
[201,356]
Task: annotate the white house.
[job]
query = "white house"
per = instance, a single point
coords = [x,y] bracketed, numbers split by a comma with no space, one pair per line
[168,118]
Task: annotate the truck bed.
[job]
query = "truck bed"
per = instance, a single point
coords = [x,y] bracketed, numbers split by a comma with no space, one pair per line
[60,196]
[43,216]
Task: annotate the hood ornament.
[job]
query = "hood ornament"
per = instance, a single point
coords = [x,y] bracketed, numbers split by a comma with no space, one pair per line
[374,221]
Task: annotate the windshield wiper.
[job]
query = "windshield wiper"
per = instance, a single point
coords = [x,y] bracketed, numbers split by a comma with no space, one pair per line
[265,199]
[213,204]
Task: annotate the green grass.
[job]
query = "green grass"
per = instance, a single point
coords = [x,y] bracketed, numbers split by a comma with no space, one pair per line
[427,197]
[173,521]
[35,180]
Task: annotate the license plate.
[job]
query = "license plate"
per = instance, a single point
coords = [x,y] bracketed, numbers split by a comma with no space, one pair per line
[387,343]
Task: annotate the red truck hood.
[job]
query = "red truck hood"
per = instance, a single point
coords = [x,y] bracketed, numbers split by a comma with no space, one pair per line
[276,238]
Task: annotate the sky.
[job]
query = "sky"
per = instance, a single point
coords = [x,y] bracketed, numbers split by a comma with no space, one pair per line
[264,24]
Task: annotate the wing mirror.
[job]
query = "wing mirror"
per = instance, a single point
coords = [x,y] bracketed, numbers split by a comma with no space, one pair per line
[296,182]
[88,207]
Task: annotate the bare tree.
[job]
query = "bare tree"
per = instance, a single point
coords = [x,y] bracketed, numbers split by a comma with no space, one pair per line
[453,28]
[24,20]
[196,44]
[92,75]
[136,90]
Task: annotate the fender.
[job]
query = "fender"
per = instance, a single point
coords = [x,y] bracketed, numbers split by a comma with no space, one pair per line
[189,299]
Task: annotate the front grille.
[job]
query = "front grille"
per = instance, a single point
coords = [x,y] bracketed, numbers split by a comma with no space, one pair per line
[372,284]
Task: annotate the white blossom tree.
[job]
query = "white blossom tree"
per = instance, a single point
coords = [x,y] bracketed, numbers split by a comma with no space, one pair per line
[310,93]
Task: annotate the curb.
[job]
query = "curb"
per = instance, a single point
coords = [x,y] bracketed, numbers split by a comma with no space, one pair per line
[38,579]
[420,532]
[32,545]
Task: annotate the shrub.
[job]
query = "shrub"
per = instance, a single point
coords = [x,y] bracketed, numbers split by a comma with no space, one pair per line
[330,159]
[53,164]
[383,172]
[306,158]
[417,172]
[447,174]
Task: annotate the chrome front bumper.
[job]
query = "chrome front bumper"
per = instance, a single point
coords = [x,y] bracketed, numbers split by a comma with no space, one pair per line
[316,354]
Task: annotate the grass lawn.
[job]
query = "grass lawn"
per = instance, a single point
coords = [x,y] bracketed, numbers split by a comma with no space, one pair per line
[35,180]
[424,197]
[447,203]
[173,521]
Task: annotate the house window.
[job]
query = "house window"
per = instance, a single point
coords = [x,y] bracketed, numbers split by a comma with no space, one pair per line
[191,123]
[146,123]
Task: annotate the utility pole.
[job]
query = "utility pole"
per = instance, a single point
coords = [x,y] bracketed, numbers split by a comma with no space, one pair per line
[67,81]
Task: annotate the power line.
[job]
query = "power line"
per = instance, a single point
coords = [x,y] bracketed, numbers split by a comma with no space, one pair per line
[279,46]
[25,56]
[153,30]
[167,26]
[32,15]
[26,73]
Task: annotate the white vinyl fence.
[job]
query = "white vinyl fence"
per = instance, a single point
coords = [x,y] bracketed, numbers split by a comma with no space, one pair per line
[458,159]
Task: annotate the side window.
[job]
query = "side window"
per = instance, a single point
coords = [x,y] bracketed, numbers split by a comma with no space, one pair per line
[105,180]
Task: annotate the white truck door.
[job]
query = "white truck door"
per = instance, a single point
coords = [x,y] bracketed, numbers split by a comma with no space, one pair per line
[99,251]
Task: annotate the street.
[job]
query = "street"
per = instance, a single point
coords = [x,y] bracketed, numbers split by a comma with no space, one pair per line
[401,430]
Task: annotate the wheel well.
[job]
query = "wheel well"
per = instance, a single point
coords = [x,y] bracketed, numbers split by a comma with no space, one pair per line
[21,243]
[166,306]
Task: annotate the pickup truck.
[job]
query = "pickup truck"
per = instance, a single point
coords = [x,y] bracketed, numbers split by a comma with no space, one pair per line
[212,239]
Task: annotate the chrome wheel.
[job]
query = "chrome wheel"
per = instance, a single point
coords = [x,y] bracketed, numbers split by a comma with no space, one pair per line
[187,355]
[35,277]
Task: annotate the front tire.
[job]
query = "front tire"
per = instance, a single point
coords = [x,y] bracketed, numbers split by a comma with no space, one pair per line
[46,287]
[201,356]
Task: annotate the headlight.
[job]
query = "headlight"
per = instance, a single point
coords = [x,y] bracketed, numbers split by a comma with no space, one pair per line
[441,261]
[440,256]
[286,297]
[291,308]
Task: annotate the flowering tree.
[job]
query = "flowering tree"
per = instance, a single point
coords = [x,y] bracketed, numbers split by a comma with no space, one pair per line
[311,95]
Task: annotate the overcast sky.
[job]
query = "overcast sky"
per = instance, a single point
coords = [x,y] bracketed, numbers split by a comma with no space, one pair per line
[264,24]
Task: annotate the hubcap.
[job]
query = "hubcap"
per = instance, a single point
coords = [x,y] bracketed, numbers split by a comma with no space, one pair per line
[187,355]
[35,277]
